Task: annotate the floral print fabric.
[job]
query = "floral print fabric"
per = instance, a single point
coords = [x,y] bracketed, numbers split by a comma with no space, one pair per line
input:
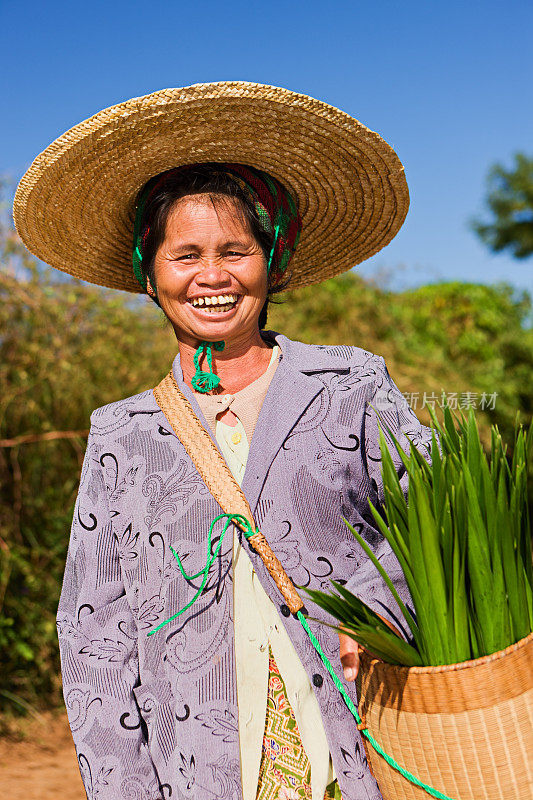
[285,771]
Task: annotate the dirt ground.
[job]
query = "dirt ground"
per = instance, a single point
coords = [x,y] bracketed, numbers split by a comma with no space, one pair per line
[39,762]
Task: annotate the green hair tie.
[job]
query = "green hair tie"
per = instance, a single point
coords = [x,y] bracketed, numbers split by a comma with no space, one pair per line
[206,381]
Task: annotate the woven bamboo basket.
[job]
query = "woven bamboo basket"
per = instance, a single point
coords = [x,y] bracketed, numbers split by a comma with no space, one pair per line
[464,729]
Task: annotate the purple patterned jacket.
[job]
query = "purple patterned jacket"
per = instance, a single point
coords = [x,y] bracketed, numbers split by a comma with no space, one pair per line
[156,716]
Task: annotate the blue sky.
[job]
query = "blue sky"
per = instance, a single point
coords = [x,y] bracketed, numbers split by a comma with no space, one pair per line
[447,84]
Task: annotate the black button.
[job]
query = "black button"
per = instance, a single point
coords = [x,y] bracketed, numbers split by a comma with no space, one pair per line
[318,680]
[285,610]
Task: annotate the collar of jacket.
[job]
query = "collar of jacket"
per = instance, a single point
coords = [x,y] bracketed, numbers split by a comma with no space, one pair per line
[293,388]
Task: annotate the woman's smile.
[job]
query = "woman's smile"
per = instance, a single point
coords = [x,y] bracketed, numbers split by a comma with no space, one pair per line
[217,304]
[210,271]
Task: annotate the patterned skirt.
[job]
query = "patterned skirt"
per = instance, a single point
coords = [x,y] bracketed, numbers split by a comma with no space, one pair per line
[285,771]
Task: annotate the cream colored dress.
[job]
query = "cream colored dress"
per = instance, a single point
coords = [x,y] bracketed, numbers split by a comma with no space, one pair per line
[257,621]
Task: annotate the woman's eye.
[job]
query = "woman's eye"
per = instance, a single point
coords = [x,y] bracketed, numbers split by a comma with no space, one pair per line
[233,253]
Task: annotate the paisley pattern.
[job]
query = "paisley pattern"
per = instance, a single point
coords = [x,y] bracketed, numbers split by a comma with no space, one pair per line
[156,716]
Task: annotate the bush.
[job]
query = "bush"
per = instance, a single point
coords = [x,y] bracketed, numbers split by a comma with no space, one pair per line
[460,338]
[67,347]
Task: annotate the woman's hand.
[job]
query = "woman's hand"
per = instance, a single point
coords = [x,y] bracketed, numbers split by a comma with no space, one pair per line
[349,652]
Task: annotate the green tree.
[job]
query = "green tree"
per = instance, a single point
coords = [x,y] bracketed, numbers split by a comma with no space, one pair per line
[510,201]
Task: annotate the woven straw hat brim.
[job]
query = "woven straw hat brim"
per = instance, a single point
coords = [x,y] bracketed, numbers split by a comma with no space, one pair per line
[75,206]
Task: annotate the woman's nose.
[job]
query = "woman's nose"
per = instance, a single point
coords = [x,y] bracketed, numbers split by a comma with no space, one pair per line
[212,272]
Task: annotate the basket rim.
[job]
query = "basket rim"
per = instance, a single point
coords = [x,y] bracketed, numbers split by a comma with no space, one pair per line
[460,665]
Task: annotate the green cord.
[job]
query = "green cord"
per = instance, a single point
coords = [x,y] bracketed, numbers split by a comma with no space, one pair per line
[271,256]
[240,520]
[351,706]
[206,381]
[248,532]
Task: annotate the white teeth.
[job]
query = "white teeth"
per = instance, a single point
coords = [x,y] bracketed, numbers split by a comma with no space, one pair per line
[221,299]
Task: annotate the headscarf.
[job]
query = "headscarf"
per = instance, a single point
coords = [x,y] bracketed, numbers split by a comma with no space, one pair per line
[275,207]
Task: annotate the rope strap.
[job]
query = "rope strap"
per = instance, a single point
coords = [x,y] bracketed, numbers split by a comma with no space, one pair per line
[179,413]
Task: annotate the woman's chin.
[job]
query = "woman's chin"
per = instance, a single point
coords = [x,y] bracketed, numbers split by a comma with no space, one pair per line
[200,323]
[216,325]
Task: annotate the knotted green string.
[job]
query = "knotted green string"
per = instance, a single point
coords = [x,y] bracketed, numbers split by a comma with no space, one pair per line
[206,381]
[248,532]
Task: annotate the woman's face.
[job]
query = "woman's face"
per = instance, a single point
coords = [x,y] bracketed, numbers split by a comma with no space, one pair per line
[210,272]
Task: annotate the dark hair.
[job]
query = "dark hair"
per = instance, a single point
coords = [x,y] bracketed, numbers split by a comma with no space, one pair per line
[202,179]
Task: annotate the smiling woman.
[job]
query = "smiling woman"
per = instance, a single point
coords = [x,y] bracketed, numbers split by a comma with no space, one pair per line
[189,673]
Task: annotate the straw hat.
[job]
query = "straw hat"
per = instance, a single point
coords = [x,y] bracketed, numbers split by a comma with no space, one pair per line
[75,206]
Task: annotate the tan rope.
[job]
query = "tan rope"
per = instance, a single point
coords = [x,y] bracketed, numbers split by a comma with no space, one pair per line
[218,478]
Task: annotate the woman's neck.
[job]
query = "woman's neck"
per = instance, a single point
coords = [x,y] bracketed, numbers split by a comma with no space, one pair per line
[237,366]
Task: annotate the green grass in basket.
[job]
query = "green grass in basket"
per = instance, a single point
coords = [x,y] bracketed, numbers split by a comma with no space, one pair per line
[464,542]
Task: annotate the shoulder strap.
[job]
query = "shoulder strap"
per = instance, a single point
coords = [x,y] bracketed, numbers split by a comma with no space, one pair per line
[218,478]
[201,449]
[225,489]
